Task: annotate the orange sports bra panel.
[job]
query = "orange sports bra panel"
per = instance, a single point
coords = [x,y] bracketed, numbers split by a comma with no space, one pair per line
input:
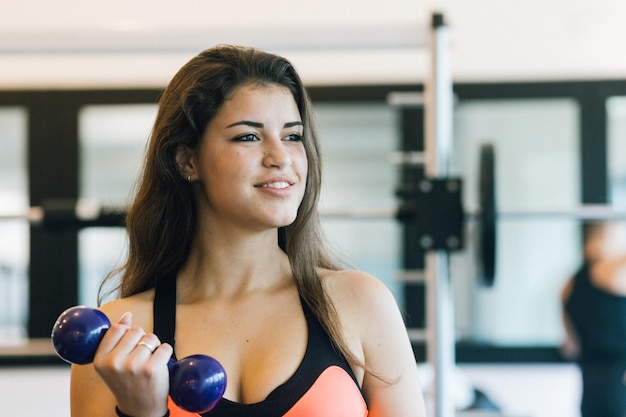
[333,394]
[176,411]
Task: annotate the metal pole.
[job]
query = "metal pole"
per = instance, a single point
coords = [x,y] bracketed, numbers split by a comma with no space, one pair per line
[586,212]
[598,212]
[438,143]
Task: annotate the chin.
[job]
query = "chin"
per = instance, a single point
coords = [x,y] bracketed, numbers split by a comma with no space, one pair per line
[286,221]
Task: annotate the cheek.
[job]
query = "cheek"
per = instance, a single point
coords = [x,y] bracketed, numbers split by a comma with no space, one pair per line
[304,172]
[303,163]
[219,172]
[226,165]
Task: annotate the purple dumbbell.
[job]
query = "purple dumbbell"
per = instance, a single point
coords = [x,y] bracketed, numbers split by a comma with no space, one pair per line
[197,382]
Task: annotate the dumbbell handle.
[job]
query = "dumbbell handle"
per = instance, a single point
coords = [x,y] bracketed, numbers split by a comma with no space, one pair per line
[197,382]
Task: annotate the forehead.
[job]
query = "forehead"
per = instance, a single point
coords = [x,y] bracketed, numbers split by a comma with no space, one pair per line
[615,227]
[267,96]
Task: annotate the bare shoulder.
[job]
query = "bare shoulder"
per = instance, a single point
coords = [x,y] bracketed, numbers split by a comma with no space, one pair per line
[610,275]
[360,298]
[354,287]
[375,330]
[139,305]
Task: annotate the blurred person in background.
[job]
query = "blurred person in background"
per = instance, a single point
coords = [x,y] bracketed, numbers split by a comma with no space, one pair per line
[594,313]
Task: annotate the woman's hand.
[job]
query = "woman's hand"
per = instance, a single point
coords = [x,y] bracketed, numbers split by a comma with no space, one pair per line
[133,364]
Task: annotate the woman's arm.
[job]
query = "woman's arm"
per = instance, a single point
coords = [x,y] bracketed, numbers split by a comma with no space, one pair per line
[123,373]
[570,347]
[89,395]
[369,312]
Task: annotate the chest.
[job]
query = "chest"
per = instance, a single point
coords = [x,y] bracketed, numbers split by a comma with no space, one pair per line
[259,344]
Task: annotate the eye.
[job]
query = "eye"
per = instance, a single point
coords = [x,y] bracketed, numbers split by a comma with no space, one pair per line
[248,137]
[294,137]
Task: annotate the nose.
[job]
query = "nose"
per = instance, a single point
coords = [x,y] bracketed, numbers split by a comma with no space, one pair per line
[276,154]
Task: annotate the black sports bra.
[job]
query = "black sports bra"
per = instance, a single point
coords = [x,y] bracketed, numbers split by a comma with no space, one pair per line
[323,372]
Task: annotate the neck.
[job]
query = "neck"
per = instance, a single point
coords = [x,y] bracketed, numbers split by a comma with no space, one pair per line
[229,267]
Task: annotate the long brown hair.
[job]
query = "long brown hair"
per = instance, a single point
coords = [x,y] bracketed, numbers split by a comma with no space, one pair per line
[162,218]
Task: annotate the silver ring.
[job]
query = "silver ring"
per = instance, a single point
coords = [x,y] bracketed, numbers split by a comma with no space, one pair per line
[147,346]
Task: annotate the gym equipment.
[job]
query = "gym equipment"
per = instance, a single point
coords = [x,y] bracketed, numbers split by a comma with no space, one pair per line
[489,214]
[197,382]
[438,112]
[487,223]
[435,204]
[77,333]
[437,214]
[67,213]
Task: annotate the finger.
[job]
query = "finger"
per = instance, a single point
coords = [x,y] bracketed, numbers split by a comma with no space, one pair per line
[115,333]
[163,353]
[127,319]
[148,343]
[143,344]
[129,341]
[121,338]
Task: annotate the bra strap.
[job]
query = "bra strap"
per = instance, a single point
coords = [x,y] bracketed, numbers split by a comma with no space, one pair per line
[164,309]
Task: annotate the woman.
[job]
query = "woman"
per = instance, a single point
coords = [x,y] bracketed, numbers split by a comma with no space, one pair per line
[594,308]
[226,259]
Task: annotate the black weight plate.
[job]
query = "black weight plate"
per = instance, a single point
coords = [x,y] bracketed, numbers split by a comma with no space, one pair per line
[487,223]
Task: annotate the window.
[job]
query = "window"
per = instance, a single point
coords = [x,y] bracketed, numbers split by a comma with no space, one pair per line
[537,167]
[14,244]
[557,145]
[616,149]
[356,141]
[112,142]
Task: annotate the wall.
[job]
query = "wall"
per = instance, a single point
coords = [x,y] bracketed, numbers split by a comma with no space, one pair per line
[529,390]
[86,43]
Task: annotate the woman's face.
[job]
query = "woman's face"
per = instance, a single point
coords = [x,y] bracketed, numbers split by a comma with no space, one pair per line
[608,242]
[614,240]
[251,165]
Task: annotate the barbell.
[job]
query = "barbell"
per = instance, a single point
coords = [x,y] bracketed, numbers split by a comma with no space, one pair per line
[442,216]
[432,205]
[67,213]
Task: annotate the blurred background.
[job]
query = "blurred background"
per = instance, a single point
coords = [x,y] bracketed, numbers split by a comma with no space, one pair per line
[544,81]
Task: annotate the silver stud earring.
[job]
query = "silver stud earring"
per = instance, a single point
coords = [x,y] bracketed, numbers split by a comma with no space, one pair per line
[189,178]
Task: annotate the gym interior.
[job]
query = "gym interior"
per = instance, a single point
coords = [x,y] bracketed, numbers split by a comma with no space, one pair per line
[543,83]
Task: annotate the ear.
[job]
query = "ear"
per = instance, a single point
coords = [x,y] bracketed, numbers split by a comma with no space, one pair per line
[185,162]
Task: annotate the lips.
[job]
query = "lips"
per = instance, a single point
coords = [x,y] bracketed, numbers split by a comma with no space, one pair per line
[277,183]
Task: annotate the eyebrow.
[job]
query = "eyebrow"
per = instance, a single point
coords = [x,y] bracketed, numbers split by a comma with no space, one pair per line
[261,125]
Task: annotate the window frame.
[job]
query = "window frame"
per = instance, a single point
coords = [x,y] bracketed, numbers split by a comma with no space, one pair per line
[53,125]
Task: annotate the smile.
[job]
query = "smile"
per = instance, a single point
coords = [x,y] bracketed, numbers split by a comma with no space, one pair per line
[279,185]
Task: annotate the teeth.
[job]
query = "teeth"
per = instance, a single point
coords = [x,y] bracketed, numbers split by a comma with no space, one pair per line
[275,185]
